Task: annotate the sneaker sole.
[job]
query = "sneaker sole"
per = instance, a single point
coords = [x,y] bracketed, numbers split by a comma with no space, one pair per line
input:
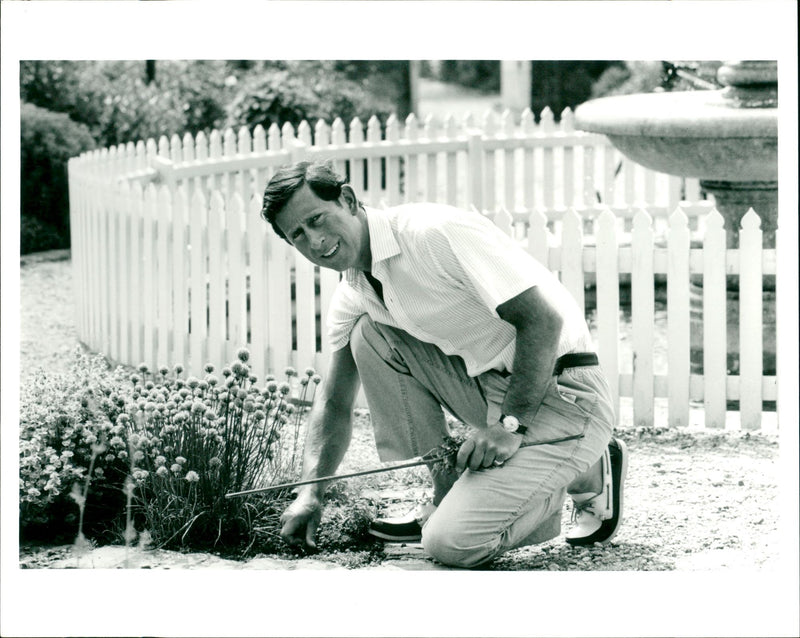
[609,528]
[396,539]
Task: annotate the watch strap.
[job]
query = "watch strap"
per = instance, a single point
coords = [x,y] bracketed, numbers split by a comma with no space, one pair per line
[521,429]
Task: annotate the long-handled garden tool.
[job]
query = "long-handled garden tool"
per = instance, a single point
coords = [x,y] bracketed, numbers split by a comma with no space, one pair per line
[442,456]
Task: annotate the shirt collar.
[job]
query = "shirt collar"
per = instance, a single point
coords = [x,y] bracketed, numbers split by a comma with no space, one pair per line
[382,242]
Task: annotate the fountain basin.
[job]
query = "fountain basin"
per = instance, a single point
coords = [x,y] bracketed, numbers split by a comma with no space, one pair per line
[688,133]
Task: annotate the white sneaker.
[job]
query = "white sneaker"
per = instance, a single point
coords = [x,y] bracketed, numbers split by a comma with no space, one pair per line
[597,517]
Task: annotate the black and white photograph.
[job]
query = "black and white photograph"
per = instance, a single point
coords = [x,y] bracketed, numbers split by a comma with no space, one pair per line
[330,318]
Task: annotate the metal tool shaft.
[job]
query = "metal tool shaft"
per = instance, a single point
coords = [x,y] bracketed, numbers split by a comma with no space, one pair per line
[420,460]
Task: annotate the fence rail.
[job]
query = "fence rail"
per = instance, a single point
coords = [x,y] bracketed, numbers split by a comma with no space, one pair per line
[174,264]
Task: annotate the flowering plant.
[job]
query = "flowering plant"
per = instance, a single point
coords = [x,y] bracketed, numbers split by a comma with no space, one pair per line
[62,416]
[193,440]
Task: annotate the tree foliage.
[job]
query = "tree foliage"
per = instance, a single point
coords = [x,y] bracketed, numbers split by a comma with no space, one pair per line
[47,141]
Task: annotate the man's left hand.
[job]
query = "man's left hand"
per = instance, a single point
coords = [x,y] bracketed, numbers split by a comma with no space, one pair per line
[487,447]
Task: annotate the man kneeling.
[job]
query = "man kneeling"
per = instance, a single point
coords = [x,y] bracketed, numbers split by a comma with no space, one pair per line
[439,310]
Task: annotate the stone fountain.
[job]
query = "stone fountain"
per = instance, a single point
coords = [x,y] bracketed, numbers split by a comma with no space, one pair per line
[727,138]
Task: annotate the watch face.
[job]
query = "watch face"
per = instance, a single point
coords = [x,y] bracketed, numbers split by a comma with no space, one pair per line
[510,424]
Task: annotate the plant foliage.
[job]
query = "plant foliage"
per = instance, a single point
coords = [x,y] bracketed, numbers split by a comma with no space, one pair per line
[167,447]
[47,141]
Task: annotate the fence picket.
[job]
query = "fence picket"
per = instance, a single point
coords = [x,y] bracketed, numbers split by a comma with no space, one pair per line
[643,318]
[393,163]
[357,165]
[256,231]
[568,161]
[165,317]
[305,312]
[236,250]
[610,175]
[304,132]
[149,276]
[572,255]
[175,150]
[538,233]
[338,140]
[503,220]
[280,305]
[135,269]
[678,318]
[218,294]
[123,213]
[528,127]
[115,290]
[412,160]
[589,189]
[180,282]
[607,294]
[490,164]
[508,163]
[629,170]
[451,163]
[244,148]
[374,163]
[547,126]
[198,304]
[431,161]
[187,151]
[751,322]
[714,320]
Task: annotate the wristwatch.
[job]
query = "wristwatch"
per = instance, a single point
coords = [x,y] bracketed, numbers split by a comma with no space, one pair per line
[512,425]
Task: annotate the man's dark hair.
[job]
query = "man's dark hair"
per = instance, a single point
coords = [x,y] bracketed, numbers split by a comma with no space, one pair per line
[320,176]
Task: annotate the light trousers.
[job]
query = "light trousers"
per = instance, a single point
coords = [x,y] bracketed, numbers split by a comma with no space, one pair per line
[487,512]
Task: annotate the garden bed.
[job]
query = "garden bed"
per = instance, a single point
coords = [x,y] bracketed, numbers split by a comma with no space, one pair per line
[695,500]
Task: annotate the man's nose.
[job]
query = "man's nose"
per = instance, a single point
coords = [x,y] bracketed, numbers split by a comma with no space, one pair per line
[316,239]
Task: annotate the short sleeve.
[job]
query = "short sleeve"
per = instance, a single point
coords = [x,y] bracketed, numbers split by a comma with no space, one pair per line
[343,313]
[473,248]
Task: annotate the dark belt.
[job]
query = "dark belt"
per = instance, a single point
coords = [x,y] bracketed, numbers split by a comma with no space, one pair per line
[575,360]
[571,360]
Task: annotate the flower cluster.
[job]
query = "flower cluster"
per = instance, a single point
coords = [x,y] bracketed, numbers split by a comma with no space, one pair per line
[170,446]
[65,419]
[193,440]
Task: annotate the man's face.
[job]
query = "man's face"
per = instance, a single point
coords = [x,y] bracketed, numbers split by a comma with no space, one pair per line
[330,234]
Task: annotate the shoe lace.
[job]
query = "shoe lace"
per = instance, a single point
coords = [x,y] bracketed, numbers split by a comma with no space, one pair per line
[579,508]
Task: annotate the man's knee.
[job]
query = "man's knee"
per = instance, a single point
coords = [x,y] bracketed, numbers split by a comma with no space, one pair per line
[457,550]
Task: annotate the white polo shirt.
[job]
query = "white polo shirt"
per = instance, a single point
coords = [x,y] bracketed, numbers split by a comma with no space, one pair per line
[444,271]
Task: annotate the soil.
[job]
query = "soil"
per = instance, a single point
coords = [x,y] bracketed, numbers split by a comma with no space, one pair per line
[694,499]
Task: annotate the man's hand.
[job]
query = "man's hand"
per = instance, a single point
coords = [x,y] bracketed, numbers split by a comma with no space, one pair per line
[300,521]
[487,446]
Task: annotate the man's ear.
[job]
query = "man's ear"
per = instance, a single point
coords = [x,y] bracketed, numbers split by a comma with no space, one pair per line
[349,198]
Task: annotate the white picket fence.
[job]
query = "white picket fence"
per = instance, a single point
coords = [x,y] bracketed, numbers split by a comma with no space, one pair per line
[187,271]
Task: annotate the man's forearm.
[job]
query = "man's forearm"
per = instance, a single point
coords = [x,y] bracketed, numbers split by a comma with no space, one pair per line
[533,370]
[329,432]
[538,327]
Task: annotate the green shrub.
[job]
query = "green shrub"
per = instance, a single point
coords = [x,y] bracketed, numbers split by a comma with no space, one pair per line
[114,99]
[47,141]
[296,91]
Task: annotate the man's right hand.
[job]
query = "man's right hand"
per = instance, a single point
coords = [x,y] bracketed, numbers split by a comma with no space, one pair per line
[300,521]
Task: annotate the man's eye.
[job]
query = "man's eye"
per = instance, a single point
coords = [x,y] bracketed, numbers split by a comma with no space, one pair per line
[296,234]
[315,219]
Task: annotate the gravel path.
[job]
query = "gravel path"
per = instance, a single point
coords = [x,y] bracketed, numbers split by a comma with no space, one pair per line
[694,500]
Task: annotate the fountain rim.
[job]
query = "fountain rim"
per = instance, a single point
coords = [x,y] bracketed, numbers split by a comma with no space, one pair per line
[678,114]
